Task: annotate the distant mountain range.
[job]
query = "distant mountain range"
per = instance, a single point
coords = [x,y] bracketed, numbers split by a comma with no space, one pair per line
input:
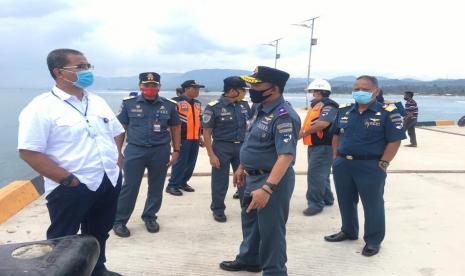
[213,80]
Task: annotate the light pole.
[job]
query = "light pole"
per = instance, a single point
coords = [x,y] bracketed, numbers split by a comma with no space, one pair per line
[274,44]
[309,24]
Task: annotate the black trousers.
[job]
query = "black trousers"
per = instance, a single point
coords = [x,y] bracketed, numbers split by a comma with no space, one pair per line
[71,208]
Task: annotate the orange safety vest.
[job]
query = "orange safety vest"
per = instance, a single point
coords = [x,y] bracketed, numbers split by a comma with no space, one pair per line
[191,118]
[312,115]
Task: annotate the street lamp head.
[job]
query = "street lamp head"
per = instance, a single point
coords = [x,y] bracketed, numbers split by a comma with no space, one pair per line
[302,25]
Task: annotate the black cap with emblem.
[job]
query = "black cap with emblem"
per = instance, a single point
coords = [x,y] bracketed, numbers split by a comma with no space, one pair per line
[191,83]
[234,82]
[149,77]
[268,74]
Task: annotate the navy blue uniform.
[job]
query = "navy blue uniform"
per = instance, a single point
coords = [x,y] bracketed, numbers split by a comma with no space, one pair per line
[228,121]
[362,140]
[274,131]
[148,146]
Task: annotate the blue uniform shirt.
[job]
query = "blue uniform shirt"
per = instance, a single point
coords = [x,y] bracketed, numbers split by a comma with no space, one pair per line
[274,131]
[369,132]
[148,122]
[227,119]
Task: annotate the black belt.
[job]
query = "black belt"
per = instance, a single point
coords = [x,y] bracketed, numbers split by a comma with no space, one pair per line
[234,142]
[359,157]
[256,172]
[145,146]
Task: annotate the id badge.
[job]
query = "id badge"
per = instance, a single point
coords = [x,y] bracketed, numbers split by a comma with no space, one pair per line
[156,127]
[92,132]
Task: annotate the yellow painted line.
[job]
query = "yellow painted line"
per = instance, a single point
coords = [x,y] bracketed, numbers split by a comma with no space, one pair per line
[445,123]
[15,196]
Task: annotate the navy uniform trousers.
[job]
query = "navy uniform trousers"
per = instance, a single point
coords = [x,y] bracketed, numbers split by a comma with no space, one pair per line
[183,168]
[136,159]
[264,230]
[320,159]
[73,207]
[361,177]
[228,154]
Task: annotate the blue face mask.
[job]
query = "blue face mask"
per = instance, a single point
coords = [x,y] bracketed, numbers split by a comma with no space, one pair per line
[362,97]
[256,96]
[84,79]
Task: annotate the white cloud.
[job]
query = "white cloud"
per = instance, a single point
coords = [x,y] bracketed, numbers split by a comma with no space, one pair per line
[391,38]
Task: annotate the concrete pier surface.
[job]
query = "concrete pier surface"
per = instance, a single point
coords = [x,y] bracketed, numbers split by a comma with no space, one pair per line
[425,218]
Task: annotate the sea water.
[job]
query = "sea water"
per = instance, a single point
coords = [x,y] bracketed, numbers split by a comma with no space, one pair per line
[14,100]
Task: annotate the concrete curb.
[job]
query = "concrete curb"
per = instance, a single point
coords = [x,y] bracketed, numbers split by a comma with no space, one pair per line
[437,123]
[17,195]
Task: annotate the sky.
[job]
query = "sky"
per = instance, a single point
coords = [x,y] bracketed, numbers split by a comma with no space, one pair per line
[391,38]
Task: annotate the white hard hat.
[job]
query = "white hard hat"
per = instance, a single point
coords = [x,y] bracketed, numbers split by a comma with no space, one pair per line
[319,84]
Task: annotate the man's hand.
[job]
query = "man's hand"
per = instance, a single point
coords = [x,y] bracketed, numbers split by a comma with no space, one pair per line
[74,183]
[259,199]
[120,161]
[383,165]
[214,161]
[238,177]
[301,134]
[174,157]
[201,142]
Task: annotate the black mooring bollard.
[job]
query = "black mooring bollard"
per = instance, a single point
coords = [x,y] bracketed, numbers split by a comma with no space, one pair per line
[70,256]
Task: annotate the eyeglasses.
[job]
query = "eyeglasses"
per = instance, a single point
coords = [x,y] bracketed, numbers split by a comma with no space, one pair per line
[85,66]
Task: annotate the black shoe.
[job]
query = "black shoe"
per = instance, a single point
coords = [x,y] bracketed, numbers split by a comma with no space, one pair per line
[329,203]
[236,195]
[370,250]
[121,230]
[152,226]
[219,217]
[105,272]
[312,212]
[341,236]
[235,266]
[411,146]
[186,188]
[173,191]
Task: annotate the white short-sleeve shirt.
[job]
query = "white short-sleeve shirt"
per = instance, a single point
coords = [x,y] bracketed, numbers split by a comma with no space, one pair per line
[49,124]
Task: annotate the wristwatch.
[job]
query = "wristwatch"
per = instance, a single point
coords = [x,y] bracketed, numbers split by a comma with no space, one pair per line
[271,186]
[384,164]
[68,180]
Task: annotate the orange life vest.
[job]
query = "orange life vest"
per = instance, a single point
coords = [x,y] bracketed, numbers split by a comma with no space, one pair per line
[312,115]
[191,118]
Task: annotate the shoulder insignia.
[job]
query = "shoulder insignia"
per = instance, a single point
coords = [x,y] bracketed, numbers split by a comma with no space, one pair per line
[282,111]
[128,98]
[213,103]
[345,105]
[389,108]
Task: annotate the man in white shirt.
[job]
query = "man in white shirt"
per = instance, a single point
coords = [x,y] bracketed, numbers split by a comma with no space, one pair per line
[73,139]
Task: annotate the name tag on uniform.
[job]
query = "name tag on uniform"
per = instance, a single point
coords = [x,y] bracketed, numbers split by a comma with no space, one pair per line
[156,127]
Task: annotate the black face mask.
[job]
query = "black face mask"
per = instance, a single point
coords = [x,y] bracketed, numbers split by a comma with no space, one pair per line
[256,96]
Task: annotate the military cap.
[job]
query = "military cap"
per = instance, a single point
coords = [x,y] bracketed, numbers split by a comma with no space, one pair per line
[234,82]
[267,74]
[191,83]
[149,77]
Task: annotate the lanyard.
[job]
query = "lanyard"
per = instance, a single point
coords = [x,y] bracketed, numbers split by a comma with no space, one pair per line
[83,114]
[92,132]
